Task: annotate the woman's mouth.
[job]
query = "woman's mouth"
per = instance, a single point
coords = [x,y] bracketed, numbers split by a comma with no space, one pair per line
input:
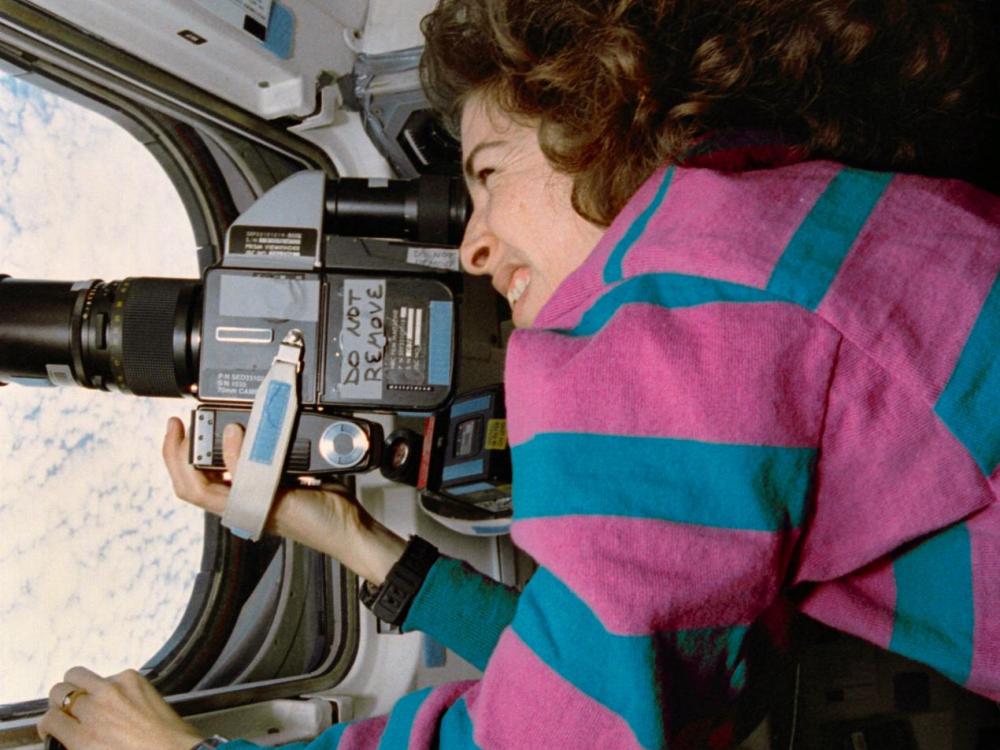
[518,283]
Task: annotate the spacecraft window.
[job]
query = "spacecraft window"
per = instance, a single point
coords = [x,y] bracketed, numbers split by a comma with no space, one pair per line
[98,558]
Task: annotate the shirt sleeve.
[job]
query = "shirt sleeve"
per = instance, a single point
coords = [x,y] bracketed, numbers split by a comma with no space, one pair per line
[434,717]
[904,532]
[462,609]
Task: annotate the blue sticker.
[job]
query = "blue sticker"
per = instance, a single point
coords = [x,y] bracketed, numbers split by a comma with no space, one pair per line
[468,489]
[280,31]
[457,471]
[271,418]
[435,654]
[468,407]
[439,367]
[32,382]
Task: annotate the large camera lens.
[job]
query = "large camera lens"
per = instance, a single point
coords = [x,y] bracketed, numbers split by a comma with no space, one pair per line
[138,335]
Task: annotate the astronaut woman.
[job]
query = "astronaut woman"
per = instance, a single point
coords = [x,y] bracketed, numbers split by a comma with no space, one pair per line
[755,367]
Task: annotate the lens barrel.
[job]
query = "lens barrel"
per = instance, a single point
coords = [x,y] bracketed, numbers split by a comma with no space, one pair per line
[429,210]
[137,335]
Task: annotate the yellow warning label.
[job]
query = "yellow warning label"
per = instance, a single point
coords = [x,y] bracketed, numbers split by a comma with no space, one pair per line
[496,435]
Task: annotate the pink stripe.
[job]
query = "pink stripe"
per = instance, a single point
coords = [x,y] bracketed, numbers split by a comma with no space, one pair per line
[711,222]
[863,604]
[363,735]
[984,534]
[521,703]
[912,286]
[733,373]
[564,308]
[428,718]
[889,471]
[640,576]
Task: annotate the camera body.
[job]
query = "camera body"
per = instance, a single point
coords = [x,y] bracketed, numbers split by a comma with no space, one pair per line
[372,341]
[382,341]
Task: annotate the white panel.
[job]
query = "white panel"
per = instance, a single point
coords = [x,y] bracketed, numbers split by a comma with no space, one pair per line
[394,24]
[231,63]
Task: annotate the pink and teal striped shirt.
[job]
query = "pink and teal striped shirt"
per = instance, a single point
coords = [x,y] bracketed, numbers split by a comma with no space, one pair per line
[778,381]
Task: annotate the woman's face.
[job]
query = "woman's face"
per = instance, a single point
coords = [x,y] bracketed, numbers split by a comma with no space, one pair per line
[523,231]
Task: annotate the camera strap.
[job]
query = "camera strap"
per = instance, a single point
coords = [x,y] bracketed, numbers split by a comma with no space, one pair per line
[265,445]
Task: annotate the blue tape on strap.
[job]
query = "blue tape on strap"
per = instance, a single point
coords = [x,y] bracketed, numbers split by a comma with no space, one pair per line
[271,419]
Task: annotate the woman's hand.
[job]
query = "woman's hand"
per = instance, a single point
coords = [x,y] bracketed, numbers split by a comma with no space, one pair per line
[324,520]
[118,713]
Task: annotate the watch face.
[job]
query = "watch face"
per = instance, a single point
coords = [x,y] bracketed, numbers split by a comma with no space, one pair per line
[211,742]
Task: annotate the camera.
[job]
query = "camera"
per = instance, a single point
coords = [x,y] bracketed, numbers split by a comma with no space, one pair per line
[380,338]
[461,464]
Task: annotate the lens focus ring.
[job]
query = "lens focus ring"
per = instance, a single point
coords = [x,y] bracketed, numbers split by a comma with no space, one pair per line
[147,335]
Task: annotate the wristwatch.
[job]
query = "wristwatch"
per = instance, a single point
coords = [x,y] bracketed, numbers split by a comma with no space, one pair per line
[210,742]
[391,601]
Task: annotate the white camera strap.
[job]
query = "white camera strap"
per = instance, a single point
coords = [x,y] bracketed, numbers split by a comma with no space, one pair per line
[266,442]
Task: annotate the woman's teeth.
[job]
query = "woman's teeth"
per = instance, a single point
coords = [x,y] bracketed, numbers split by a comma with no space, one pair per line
[517,289]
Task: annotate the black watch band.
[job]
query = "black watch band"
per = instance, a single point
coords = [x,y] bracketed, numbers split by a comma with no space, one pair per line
[391,601]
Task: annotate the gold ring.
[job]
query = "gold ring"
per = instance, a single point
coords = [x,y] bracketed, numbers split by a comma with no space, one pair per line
[67,703]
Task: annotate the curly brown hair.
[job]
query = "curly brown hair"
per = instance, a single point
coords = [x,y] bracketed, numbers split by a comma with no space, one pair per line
[620,87]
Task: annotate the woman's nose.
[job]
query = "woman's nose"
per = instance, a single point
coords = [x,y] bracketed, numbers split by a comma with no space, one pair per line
[477,248]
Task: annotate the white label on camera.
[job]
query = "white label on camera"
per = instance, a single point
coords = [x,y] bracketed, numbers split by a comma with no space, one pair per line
[60,375]
[362,340]
[233,335]
[269,297]
[444,258]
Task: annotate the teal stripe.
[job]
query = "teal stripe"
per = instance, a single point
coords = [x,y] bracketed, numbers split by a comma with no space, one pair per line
[751,487]
[970,403]
[613,268]
[456,728]
[935,620]
[328,740]
[628,674]
[670,290]
[478,610]
[814,256]
[619,672]
[397,730]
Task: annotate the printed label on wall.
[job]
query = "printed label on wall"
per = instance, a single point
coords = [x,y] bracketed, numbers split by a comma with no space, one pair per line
[249,15]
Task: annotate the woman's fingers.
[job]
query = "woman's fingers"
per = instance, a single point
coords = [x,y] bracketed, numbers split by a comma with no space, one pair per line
[59,692]
[187,480]
[232,441]
[56,723]
[85,679]
[189,483]
[121,712]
